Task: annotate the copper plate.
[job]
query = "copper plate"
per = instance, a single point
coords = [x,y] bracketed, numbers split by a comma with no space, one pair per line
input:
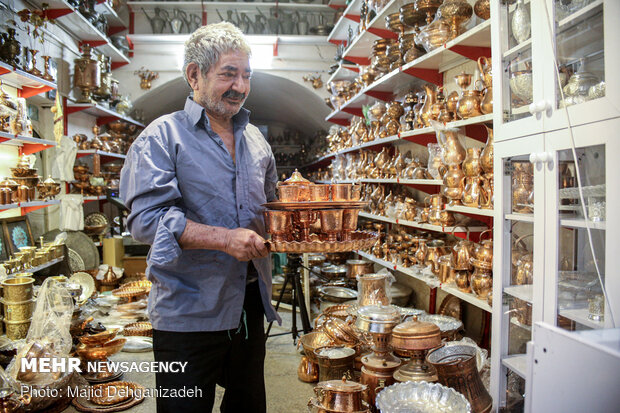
[316,205]
[360,240]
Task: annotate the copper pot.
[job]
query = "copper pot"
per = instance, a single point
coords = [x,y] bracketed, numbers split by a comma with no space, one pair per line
[456,368]
[335,362]
[377,374]
[340,395]
[307,371]
[359,267]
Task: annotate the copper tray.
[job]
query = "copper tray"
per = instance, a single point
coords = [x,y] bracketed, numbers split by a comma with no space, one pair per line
[360,240]
[124,390]
[317,205]
[143,328]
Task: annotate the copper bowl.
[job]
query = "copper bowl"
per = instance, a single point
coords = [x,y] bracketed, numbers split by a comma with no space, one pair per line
[312,341]
[101,352]
[113,167]
[80,169]
[99,338]
[23,172]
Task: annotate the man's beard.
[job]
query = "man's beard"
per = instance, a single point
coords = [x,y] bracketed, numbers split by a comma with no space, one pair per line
[219,108]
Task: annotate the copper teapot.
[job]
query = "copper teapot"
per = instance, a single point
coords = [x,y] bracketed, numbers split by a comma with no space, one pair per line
[482,253]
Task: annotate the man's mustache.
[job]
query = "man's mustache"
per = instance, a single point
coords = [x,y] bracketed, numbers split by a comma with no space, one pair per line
[234,95]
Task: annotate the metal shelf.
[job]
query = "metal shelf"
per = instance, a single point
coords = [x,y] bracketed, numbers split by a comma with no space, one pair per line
[520,217]
[29,145]
[470,210]
[46,265]
[104,114]
[344,72]
[239,6]
[350,17]
[105,156]
[581,223]
[428,227]
[470,298]
[29,206]
[30,85]
[522,292]
[517,363]
[580,316]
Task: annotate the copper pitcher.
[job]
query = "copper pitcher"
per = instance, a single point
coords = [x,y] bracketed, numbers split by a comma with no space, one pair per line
[420,254]
[468,105]
[453,150]
[481,282]
[486,157]
[446,272]
[307,371]
[471,165]
[452,184]
[436,249]
[475,194]
[429,101]
[485,68]
[456,368]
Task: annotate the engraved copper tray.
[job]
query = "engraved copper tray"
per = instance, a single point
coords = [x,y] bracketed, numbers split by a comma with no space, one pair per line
[317,205]
[360,240]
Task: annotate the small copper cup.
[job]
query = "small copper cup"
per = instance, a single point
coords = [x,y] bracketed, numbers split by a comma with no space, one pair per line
[288,193]
[303,219]
[341,192]
[279,224]
[349,223]
[331,223]
[319,193]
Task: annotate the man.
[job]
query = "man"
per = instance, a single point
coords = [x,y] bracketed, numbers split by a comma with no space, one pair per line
[195,181]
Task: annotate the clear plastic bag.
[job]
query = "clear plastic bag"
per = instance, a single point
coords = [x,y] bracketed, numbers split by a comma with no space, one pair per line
[374,289]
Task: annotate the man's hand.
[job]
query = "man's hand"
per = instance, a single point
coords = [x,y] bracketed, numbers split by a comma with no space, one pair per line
[245,244]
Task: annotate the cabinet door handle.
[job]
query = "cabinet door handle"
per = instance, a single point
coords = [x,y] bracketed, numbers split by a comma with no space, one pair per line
[541,157]
[538,107]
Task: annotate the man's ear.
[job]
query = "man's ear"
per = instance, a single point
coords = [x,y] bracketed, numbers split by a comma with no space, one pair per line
[192,71]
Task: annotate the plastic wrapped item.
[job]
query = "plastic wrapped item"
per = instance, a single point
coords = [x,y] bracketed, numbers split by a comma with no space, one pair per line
[374,289]
[48,337]
[450,140]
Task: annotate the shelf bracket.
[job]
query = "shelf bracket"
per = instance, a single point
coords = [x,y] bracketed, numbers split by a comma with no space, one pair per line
[30,148]
[116,65]
[428,75]
[429,189]
[28,209]
[383,33]
[3,139]
[362,61]
[27,91]
[93,43]
[337,6]
[477,132]
[52,14]
[353,111]
[73,109]
[115,29]
[384,96]
[337,42]
[471,52]
[104,120]
[354,17]
[4,71]
[340,121]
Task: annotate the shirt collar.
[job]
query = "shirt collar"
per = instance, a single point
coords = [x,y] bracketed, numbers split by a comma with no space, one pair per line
[197,114]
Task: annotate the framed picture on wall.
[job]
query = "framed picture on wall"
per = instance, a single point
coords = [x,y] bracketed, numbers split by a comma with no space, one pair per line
[17,233]
[4,247]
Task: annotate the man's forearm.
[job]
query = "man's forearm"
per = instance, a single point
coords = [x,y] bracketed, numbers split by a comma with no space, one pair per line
[205,237]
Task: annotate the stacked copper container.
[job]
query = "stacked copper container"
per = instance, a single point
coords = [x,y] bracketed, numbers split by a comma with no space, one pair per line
[18,303]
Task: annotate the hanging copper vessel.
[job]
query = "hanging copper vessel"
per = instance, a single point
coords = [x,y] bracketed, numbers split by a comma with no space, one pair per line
[86,74]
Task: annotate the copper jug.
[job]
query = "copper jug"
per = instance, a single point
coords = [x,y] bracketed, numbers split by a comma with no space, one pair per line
[307,371]
[486,103]
[485,68]
[486,157]
[420,254]
[456,368]
[452,184]
[522,188]
[429,101]
[453,150]
[474,194]
[468,105]
[481,282]
[436,249]
[471,165]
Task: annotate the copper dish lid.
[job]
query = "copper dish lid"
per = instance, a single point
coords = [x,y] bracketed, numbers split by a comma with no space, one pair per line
[416,335]
[377,319]
[296,179]
[344,386]
[340,331]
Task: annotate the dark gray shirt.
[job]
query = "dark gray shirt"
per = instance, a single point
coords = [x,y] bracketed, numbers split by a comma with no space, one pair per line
[179,169]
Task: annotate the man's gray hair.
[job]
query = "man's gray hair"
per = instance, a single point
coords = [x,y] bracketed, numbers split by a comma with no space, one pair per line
[205,46]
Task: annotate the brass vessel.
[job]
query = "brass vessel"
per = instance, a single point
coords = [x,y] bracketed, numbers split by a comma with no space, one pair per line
[413,339]
[87,74]
[457,13]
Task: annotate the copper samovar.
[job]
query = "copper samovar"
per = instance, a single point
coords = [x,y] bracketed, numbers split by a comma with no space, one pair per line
[86,74]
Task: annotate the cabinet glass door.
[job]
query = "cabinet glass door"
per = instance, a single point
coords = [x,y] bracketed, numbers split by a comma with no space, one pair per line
[578,225]
[518,281]
[585,51]
[515,68]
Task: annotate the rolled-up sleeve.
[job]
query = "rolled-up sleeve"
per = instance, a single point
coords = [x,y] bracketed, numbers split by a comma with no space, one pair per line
[150,190]
[271,179]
